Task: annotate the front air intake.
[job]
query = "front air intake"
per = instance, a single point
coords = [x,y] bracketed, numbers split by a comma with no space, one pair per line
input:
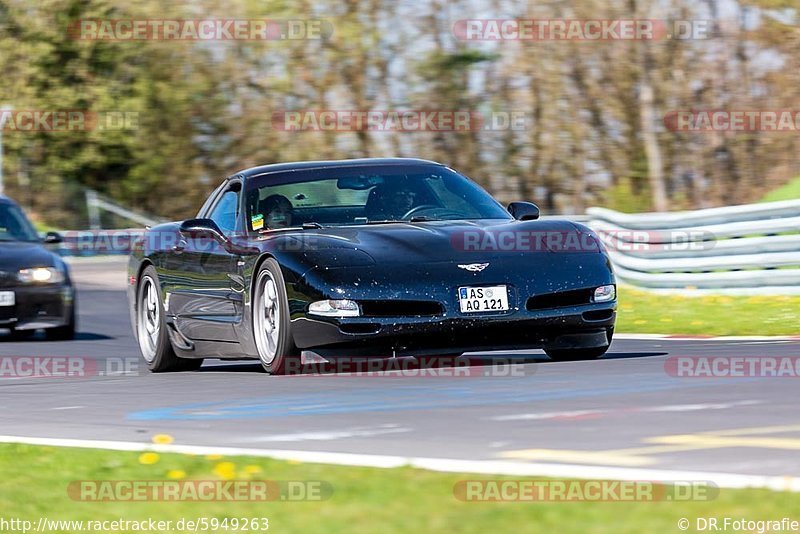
[400,308]
[545,301]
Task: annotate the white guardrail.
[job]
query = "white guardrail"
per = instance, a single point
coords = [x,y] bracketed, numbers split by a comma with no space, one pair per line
[753,248]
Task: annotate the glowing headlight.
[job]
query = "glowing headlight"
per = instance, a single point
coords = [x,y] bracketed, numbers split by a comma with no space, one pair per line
[40,275]
[605,293]
[334,308]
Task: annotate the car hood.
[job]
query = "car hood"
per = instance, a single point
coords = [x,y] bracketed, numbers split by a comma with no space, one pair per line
[15,255]
[439,241]
[398,260]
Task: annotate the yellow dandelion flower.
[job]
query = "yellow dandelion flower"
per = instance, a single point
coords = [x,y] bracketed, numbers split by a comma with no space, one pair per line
[225,470]
[176,474]
[163,439]
[213,457]
[253,469]
[148,458]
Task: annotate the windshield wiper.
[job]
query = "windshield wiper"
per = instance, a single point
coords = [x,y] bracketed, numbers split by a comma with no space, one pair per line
[387,221]
[418,218]
[305,226]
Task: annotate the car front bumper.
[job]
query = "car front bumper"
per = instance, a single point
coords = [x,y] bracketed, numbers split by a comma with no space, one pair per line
[582,326]
[38,307]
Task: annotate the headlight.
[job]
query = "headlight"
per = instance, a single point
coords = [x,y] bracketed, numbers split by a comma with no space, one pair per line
[605,293]
[40,275]
[334,308]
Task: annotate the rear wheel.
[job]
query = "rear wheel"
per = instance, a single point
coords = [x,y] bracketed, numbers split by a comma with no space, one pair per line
[271,324]
[151,329]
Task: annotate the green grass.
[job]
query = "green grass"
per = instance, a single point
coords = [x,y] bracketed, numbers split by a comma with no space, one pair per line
[34,483]
[645,312]
[789,191]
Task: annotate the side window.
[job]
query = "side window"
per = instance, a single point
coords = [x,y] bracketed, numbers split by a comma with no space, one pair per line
[210,199]
[226,212]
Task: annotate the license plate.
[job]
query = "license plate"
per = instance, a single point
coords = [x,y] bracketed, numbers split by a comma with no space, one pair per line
[483,299]
[7,298]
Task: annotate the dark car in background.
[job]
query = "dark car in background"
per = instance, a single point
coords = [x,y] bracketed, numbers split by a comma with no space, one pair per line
[35,287]
[364,258]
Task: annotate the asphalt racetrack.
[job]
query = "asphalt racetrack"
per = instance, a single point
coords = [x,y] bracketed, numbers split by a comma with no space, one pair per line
[626,411]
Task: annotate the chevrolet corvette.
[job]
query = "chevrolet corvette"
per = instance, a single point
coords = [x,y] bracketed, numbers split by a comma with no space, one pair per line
[365,258]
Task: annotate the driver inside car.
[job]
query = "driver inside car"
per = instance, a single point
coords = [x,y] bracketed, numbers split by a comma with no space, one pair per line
[278,211]
[391,202]
[400,201]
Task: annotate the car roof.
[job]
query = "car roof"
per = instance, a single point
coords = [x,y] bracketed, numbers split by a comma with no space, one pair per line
[301,165]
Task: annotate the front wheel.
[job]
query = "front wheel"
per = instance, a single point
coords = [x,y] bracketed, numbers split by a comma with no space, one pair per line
[151,328]
[270,320]
[21,335]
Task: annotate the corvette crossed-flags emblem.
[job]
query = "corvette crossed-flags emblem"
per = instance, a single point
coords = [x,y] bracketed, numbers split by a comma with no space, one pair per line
[473,267]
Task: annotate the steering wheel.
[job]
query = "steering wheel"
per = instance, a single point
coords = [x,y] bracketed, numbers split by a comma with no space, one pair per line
[415,209]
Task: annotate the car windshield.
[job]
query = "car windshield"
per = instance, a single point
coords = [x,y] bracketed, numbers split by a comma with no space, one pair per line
[14,225]
[366,195]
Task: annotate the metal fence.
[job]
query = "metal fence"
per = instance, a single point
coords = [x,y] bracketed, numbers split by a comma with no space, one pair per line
[753,247]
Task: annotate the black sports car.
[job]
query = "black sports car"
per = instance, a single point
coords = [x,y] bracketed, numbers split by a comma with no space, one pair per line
[363,258]
[35,287]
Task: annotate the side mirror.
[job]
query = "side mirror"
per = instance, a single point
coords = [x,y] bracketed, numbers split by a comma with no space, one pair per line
[52,238]
[199,228]
[202,228]
[524,211]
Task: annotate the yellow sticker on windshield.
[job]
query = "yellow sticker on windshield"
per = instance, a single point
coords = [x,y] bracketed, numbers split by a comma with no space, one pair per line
[257,221]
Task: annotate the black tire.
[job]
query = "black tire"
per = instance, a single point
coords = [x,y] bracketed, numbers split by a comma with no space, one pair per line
[66,332]
[20,335]
[573,355]
[155,346]
[277,352]
[189,364]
